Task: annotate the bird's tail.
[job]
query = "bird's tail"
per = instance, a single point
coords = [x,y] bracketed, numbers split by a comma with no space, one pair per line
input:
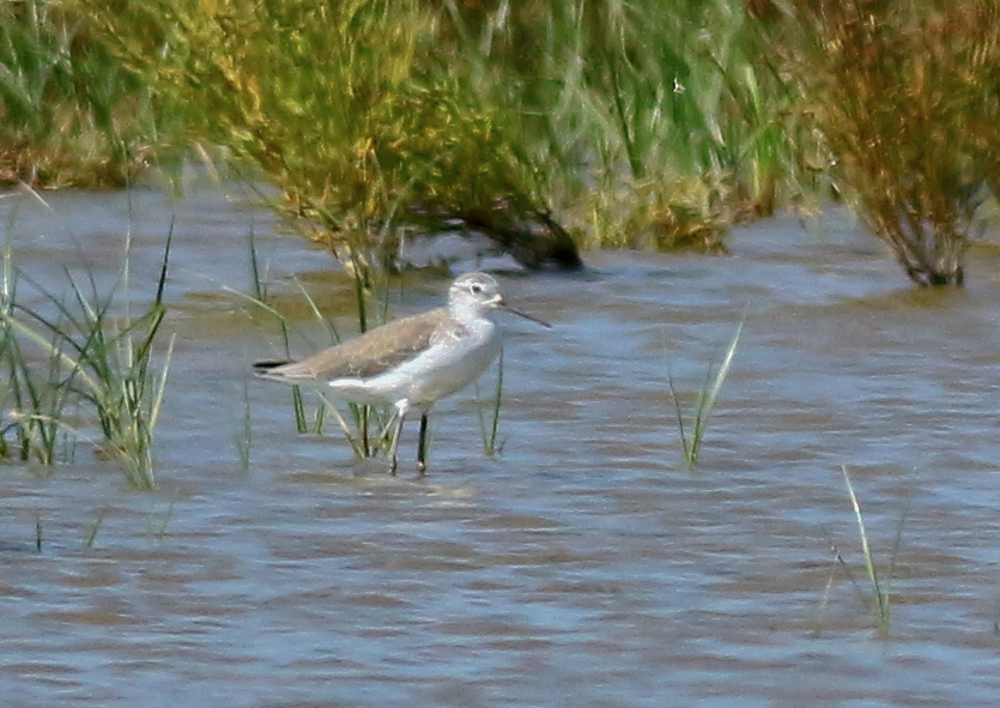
[262,368]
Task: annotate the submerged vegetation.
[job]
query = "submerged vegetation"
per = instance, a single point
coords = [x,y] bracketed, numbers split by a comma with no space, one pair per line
[546,127]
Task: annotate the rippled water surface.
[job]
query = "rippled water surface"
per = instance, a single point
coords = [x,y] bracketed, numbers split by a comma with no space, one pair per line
[583,566]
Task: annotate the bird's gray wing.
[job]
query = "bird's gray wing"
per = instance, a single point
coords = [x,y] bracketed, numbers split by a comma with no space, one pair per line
[370,354]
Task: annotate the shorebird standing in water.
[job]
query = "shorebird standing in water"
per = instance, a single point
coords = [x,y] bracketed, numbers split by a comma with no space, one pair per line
[411,362]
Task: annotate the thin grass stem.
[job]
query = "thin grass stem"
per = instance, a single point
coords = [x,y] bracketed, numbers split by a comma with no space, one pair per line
[879,597]
[705,401]
[489,431]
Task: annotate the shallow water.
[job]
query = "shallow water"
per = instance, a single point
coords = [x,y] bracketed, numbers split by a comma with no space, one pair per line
[584,566]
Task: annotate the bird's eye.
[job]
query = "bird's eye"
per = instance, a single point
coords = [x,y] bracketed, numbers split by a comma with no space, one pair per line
[477,289]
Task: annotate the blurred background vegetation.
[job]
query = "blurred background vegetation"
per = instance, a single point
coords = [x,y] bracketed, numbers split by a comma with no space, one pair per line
[546,126]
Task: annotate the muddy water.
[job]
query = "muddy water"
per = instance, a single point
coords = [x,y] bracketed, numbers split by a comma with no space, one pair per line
[584,566]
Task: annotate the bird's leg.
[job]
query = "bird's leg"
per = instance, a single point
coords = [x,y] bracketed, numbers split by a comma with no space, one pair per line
[399,416]
[422,443]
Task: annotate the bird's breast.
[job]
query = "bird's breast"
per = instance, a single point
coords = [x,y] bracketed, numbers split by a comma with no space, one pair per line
[454,360]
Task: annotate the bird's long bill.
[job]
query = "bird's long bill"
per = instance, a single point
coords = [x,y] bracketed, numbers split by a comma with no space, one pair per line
[514,311]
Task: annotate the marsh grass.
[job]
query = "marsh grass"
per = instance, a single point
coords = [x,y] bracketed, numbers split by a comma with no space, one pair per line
[511,119]
[608,123]
[358,120]
[651,125]
[488,413]
[877,594]
[95,528]
[604,123]
[906,95]
[37,434]
[259,297]
[114,359]
[35,399]
[99,357]
[306,421]
[692,434]
[35,396]
[72,115]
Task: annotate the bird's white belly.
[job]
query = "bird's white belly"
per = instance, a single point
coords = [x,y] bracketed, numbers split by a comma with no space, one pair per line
[437,372]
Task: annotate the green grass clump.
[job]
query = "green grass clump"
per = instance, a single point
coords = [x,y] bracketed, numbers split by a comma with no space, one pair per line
[35,396]
[98,360]
[666,115]
[72,114]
